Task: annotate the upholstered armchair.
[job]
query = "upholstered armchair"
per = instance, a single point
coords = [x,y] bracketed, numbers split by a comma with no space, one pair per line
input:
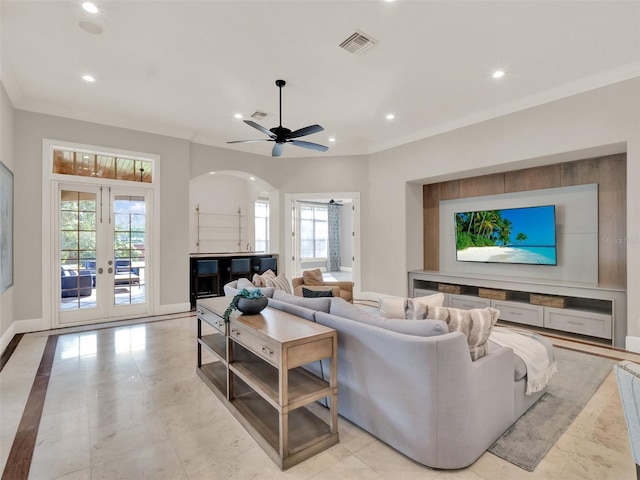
[312,280]
[628,376]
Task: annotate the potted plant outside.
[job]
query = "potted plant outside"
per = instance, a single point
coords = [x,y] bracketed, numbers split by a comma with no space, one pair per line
[249,302]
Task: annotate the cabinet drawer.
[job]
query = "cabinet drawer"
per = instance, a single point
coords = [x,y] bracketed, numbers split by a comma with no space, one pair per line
[577,321]
[266,348]
[212,319]
[467,303]
[519,313]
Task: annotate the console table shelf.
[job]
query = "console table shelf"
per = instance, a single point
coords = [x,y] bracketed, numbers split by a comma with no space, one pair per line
[582,309]
[257,371]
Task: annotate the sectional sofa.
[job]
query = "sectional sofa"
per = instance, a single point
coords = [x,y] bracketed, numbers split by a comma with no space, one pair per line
[413,385]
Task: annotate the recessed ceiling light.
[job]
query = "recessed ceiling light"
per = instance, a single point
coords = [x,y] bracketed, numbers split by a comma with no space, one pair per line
[212,173]
[252,178]
[390,116]
[332,139]
[238,115]
[90,7]
[88,78]
[498,74]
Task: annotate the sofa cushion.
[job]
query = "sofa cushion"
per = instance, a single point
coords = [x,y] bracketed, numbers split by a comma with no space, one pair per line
[245,283]
[317,304]
[422,328]
[279,283]
[476,324]
[312,277]
[308,293]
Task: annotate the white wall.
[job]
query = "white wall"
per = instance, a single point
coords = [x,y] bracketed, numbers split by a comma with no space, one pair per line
[567,129]
[6,157]
[219,197]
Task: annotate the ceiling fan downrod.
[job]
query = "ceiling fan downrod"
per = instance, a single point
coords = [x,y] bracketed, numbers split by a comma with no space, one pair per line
[280,84]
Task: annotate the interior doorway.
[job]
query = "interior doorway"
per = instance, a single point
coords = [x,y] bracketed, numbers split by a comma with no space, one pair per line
[325,234]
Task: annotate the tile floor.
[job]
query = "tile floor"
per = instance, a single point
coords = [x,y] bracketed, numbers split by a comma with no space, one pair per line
[125,402]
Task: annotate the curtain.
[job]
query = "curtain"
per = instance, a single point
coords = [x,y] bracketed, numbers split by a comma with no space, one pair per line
[333,254]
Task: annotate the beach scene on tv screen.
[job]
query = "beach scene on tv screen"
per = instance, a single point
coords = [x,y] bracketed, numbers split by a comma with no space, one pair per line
[514,235]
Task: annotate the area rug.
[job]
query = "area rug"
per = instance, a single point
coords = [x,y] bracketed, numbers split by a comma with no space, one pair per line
[528,440]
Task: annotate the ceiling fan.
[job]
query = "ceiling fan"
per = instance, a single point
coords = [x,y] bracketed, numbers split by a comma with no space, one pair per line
[282,135]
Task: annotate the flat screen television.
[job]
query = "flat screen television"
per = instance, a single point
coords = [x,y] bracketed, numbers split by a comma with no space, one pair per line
[511,235]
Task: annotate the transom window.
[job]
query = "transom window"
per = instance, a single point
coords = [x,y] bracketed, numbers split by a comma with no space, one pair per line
[84,164]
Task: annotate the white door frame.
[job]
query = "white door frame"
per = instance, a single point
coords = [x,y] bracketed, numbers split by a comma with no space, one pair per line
[289,252]
[50,302]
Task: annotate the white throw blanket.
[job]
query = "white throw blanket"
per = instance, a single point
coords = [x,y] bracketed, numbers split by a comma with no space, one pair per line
[541,364]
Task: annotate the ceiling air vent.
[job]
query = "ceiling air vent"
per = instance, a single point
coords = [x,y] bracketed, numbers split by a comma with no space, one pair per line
[357,43]
[258,115]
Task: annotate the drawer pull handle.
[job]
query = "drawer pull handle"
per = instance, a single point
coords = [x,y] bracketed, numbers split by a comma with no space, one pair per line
[266,351]
[235,332]
[199,312]
[515,313]
[570,322]
[218,324]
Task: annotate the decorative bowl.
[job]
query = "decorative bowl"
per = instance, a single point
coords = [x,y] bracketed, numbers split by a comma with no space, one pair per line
[251,306]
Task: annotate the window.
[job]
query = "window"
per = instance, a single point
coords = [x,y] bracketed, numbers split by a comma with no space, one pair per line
[313,231]
[84,164]
[262,226]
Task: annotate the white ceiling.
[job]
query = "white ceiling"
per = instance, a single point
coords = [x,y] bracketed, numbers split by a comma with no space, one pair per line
[184,68]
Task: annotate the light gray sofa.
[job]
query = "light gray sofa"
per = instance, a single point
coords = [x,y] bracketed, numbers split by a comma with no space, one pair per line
[412,384]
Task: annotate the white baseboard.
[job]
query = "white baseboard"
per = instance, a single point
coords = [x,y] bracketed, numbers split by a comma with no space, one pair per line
[172,308]
[346,269]
[632,344]
[20,326]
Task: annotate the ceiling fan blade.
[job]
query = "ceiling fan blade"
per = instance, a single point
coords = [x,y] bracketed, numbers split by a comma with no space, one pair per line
[312,146]
[305,131]
[277,149]
[251,141]
[260,127]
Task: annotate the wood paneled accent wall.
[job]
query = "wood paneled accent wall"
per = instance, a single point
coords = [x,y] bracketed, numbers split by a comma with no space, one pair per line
[610,173]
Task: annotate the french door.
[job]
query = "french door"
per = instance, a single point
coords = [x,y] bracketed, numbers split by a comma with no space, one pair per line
[101,242]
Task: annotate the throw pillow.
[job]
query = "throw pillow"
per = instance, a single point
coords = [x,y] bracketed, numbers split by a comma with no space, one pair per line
[476,325]
[245,283]
[312,277]
[316,293]
[257,280]
[279,283]
[393,307]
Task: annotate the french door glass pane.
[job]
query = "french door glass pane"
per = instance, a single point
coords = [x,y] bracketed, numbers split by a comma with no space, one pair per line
[129,243]
[77,249]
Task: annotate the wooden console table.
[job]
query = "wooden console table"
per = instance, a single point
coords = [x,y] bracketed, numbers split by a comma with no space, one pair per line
[254,364]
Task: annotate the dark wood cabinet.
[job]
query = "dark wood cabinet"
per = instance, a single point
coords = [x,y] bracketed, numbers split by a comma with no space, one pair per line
[209,286]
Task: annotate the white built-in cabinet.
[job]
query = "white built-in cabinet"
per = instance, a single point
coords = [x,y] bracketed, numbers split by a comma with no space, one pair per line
[586,309]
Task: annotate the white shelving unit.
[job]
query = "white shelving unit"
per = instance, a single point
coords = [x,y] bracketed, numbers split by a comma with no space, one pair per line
[220,232]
